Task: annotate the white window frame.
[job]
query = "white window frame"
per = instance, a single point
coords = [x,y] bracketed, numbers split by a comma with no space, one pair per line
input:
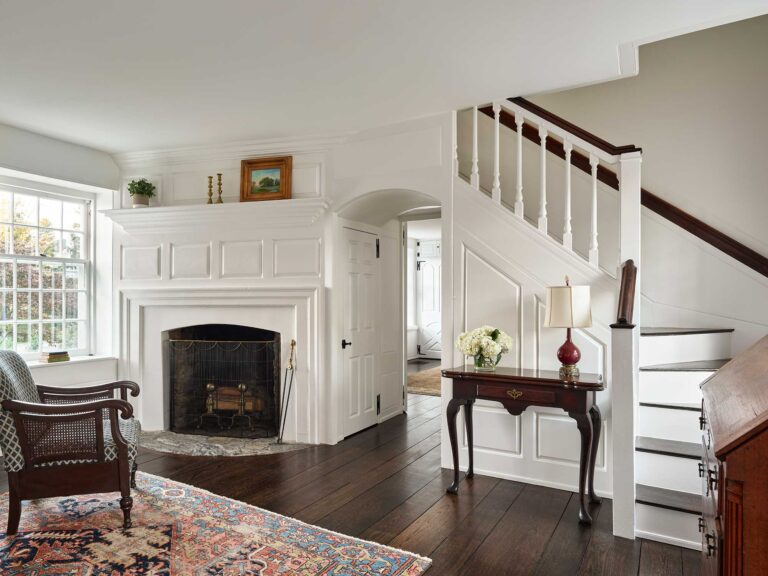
[40,190]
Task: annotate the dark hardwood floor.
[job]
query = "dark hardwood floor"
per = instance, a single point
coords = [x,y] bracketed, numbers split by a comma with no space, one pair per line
[386,485]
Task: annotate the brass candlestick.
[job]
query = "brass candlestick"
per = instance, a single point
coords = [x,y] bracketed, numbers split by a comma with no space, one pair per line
[219,200]
[210,190]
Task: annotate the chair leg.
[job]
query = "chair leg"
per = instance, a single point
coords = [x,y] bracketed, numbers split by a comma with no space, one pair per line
[14,503]
[126,503]
[133,474]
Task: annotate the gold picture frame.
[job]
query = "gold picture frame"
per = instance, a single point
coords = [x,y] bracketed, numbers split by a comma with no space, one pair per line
[266,179]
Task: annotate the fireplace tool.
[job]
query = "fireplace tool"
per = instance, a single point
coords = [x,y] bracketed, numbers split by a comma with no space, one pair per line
[287,385]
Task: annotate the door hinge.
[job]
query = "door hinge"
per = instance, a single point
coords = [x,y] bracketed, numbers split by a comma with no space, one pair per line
[378,249]
[418,265]
[378,404]
[418,348]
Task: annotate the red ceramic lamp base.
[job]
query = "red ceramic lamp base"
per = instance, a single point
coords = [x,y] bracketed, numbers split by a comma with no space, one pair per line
[569,355]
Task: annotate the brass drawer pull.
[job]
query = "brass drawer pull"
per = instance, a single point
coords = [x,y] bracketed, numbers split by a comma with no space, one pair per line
[514,393]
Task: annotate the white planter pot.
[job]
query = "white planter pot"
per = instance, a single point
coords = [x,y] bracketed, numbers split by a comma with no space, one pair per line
[140,201]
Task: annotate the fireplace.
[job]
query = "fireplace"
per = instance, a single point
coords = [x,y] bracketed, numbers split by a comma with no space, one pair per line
[224,380]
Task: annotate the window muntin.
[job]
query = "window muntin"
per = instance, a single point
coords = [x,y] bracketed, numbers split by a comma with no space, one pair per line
[44,273]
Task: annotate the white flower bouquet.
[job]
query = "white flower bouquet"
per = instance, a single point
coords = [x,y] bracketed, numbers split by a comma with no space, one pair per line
[486,346]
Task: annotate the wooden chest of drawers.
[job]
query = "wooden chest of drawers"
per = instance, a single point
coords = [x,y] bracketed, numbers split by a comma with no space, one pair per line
[734,466]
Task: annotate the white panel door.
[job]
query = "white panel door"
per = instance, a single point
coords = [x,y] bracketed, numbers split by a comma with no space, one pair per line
[359,343]
[428,301]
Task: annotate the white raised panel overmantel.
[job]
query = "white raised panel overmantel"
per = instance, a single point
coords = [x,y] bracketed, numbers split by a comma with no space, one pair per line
[296,212]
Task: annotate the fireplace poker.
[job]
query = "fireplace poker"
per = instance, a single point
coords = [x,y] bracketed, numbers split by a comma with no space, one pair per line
[287,385]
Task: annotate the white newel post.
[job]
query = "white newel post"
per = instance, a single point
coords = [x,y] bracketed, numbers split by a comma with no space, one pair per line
[567,231]
[625,344]
[519,207]
[496,190]
[474,178]
[543,180]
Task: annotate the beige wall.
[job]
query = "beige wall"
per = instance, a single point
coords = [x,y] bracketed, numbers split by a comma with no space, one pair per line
[699,110]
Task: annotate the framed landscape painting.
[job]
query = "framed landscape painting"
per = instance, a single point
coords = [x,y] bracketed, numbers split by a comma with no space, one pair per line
[266,179]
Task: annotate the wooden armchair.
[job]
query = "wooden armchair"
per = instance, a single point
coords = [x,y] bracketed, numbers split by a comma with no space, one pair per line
[65,441]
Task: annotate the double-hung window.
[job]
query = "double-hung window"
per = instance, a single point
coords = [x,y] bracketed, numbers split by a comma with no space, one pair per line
[44,272]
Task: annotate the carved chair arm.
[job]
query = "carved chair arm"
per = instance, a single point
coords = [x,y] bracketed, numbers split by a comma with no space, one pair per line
[87,393]
[18,407]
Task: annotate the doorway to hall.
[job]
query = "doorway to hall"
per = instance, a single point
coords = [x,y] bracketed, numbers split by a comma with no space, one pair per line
[423,306]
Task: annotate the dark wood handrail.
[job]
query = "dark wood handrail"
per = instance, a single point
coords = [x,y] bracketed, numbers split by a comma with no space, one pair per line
[596,141]
[688,222]
[625,312]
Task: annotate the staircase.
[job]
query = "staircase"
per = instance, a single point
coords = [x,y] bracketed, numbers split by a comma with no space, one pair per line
[655,393]
[673,364]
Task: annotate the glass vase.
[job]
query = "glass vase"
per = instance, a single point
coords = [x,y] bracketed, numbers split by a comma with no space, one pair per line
[483,364]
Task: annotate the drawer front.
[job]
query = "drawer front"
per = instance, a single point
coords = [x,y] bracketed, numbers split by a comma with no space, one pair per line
[517,393]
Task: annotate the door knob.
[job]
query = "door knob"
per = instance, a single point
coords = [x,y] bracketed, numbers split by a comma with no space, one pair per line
[344,344]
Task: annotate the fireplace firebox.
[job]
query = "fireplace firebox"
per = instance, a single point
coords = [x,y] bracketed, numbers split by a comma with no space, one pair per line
[224,380]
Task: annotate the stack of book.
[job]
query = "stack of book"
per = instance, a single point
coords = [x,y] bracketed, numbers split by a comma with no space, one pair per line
[54,356]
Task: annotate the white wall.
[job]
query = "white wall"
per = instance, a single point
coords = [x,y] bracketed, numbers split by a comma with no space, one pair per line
[697,110]
[39,155]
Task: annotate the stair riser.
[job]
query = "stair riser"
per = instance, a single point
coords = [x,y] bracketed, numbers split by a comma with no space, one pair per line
[671,387]
[670,424]
[671,472]
[684,348]
[669,526]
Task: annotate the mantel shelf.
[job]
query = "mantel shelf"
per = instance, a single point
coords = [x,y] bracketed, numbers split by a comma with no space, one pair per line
[272,214]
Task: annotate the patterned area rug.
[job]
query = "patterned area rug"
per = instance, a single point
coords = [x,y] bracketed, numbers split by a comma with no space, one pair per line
[197,445]
[184,531]
[425,382]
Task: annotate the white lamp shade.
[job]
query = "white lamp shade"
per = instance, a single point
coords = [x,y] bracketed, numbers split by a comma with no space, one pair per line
[568,307]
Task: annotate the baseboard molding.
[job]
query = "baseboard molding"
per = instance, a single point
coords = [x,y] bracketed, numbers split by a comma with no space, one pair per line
[668,540]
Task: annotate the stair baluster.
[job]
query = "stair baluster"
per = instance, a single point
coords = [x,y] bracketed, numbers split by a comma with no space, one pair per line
[496,190]
[543,180]
[474,178]
[519,206]
[567,230]
[594,161]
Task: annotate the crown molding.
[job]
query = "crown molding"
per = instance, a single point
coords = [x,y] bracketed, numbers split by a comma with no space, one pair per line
[271,214]
[229,151]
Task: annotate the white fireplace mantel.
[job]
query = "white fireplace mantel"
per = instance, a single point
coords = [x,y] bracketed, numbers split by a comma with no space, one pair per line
[295,212]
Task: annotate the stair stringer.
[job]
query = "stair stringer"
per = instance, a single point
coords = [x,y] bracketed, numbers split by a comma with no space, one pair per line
[502,266]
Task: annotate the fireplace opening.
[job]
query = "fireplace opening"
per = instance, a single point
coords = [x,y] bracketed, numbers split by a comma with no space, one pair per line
[224,380]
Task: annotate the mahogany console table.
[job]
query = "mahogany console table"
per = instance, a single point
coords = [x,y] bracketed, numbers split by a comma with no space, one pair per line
[516,389]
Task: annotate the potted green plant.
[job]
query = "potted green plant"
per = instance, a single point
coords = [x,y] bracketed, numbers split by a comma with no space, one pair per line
[141,191]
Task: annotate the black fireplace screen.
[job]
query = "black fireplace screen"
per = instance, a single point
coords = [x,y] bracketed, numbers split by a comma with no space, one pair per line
[223,387]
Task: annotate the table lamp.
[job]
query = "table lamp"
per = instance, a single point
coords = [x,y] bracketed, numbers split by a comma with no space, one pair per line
[568,307]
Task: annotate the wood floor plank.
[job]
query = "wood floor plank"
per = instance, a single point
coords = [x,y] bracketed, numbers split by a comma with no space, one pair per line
[409,511]
[608,555]
[657,559]
[449,558]
[432,527]
[370,506]
[569,542]
[528,524]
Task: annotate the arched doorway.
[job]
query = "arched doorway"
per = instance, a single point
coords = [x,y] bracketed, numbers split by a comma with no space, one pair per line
[370,271]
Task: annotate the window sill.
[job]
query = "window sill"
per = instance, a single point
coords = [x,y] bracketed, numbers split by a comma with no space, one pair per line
[74,360]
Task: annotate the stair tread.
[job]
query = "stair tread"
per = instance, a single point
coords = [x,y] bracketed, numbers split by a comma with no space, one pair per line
[669,499]
[694,366]
[691,406]
[678,331]
[666,447]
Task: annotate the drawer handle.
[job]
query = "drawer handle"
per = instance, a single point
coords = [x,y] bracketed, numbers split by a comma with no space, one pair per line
[702,422]
[514,393]
[711,544]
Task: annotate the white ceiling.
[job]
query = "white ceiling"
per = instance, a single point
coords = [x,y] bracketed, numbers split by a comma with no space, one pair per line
[148,74]
[424,229]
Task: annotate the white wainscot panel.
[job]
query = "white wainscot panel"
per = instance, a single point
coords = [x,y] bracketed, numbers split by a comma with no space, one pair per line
[492,297]
[191,260]
[140,262]
[296,257]
[305,180]
[557,439]
[242,259]
[495,430]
